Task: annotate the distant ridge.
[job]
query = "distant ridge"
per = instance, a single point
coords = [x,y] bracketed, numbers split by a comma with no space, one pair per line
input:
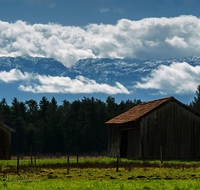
[40,65]
[102,70]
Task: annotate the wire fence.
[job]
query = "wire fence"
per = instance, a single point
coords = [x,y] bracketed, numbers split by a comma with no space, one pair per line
[125,152]
[35,165]
[7,154]
[159,153]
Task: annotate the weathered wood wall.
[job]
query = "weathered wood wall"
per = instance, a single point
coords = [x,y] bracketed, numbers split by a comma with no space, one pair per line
[174,128]
[133,138]
[114,140]
[132,145]
[171,126]
[5,143]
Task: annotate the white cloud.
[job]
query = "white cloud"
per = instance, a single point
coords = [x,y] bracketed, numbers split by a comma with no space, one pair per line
[178,78]
[102,10]
[119,10]
[49,84]
[146,38]
[13,75]
[176,41]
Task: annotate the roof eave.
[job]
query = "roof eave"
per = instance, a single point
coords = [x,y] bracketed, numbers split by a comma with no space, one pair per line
[171,98]
[9,128]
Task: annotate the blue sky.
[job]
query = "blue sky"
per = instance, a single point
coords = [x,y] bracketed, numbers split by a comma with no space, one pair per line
[69,30]
[83,12]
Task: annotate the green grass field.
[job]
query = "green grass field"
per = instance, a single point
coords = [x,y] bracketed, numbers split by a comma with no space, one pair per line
[105,184]
[100,174]
[63,160]
[92,160]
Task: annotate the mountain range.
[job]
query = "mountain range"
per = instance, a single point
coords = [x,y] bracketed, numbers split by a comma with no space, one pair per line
[102,70]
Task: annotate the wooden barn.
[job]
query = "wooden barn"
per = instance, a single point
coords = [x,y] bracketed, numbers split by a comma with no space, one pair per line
[142,130]
[5,141]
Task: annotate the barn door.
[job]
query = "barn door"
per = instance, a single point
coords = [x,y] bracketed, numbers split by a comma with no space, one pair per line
[124,143]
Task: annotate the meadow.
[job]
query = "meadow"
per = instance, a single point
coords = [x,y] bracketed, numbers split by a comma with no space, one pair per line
[100,173]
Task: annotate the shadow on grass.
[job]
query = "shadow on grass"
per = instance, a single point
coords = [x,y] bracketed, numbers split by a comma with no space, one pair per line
[188,161]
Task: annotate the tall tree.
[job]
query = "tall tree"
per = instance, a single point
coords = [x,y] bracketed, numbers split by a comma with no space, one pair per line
[90,129]
[5,112]
[18,123]
[53,121]
[32,110]
[44,103]
[75,124]
[196,103]
[112,107]
[102,132]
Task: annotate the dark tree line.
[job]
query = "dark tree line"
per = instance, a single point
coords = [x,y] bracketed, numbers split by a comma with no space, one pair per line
[51,128]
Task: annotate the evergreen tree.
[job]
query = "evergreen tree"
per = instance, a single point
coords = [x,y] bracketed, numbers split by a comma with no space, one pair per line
[102,133]
[90,125]
[18,123]
[75,125]
[32,110]
[64,110]
[53,121]
[44,103]
[112,107]
[196,103]
[5,112]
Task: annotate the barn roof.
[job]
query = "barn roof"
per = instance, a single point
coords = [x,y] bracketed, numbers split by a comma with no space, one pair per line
[7,127]
[142,109]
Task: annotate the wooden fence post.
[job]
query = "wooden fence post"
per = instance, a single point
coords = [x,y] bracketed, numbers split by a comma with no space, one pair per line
[77,154]
[17,165]
[35,156]
[117,168]
[68,165]
[31,156]
[161,155]
[119,155]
